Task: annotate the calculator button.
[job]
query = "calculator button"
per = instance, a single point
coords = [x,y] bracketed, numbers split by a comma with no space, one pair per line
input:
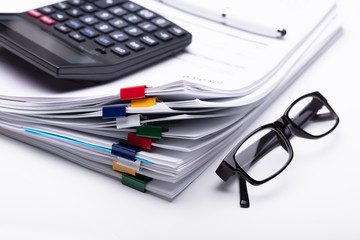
[147,26]
[163,35]
[118,23]
[133,31]
[118,11]
[62,28]
[90,20]
[90,33]
[148,40]
[74,12]
[107,3]
[60,17]
[161,22]
[76,2]
[89,8]
[132,18]
[46,10]
[176,31]
[104,28]
[120,51]
[104,41]
[61,6]
[34,13]
[119,36]
[135,45]
[146,14]
[76,36]
[132,7]
[47,20]
[74,24]
[104,15]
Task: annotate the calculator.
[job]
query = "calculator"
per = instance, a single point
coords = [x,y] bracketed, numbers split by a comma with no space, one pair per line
[96,40]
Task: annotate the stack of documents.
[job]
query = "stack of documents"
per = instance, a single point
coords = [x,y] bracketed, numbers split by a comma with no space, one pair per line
[159,128]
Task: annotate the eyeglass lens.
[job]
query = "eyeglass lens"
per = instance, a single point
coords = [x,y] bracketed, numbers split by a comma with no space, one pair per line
[265,145]
[312,116]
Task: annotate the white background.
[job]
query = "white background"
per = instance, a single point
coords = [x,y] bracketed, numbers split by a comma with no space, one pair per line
[45,197]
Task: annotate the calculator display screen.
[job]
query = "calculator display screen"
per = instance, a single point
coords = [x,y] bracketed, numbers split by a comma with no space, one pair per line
[46,41]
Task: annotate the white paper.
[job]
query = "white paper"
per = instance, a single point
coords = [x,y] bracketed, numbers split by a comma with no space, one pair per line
[173,170]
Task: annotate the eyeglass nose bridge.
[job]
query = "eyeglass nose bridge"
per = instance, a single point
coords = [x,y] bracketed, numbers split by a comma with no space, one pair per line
[284,125]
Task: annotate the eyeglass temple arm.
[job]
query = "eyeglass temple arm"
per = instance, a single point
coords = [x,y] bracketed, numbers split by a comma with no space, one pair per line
[244,196]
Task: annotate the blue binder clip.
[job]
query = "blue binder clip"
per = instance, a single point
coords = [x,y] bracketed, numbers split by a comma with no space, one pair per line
[114,112]
[124,152]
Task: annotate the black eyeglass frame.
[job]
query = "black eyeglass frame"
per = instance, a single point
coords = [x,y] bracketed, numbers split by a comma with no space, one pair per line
[285,128]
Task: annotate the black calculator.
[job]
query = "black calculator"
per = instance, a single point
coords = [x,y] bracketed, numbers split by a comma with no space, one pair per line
[95,40]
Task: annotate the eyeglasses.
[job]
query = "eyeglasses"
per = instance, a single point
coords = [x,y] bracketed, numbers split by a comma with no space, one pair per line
[266,152]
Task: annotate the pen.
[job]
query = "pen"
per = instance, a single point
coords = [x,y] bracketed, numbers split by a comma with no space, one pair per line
[234,17]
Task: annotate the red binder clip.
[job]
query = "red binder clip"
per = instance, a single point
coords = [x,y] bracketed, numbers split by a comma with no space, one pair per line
[139,141]
[129,93]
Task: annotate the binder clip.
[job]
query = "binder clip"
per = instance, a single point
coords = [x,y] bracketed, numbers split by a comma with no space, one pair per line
[144,102]
[135,92]
[113,112]
[142,142]
[124,151]
[128,121]
[137,182]
[149,131]
[123,169]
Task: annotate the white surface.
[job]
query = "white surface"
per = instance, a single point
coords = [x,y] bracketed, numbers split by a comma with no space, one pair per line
[45,197]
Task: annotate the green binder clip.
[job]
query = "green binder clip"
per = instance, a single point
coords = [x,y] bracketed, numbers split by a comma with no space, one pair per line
[137,182]
[149,131]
